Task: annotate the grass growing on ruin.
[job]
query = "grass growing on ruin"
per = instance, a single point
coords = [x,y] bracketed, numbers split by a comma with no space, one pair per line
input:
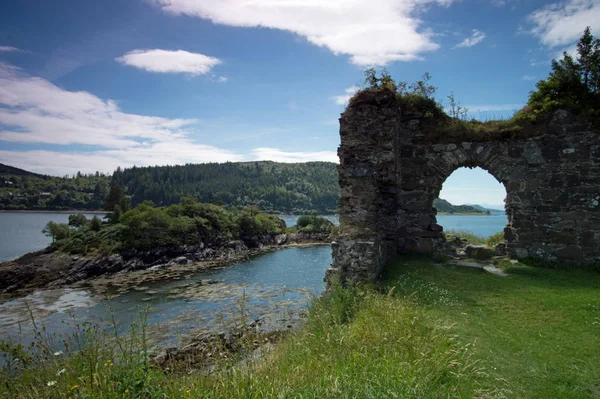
[471,237]
[427,330]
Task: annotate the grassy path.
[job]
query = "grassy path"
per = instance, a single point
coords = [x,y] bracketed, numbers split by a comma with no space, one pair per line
[537,331]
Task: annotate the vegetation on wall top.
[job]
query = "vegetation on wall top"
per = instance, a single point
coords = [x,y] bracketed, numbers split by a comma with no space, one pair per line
[573,85]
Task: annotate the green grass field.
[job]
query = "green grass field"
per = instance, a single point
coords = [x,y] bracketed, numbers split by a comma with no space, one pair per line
[426,330]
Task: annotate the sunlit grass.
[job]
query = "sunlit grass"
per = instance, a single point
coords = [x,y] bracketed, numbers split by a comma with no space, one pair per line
[427,330]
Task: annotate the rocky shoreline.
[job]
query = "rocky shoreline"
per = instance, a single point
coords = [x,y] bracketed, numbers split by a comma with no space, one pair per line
[51,269]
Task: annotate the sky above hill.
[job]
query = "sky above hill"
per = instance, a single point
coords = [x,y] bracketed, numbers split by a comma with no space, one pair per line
[92,85]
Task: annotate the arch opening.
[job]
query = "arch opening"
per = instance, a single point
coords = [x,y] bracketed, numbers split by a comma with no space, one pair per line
[471,207]
[472,192]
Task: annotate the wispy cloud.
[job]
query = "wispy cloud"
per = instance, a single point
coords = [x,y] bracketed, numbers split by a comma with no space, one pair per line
[95,134]
[562,23]
[277,155]
[167,61]
[33,110]
[476,37]
[10,49]
[343,99]
[371,32]
[528,77]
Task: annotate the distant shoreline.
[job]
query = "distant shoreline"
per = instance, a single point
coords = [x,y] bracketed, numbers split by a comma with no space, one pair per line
[465,214]
[72,212]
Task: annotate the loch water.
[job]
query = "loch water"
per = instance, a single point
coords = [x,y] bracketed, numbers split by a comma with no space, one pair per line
[278,283]
[21,232]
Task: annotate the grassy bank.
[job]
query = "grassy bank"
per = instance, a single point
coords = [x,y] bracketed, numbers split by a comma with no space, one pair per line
[427,330]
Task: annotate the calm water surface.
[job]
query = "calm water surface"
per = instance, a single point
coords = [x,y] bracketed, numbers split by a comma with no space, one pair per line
[21,233]
[277,283]
[484,226]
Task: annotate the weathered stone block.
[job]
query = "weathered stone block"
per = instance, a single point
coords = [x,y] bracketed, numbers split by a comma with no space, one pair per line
[479,252]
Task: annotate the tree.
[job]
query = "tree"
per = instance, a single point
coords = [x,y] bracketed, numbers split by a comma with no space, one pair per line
[95,224]
[77,221]
[573,83]
[116,197]
[57,231]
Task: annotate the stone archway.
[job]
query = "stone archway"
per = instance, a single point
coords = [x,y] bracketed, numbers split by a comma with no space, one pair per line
[392,168]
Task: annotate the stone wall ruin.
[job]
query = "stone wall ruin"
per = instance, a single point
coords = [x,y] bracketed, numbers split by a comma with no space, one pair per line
[392,168]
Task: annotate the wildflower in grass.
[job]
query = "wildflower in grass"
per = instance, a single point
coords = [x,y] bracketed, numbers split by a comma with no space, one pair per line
[51,383]
[58,353]
[74,387]
[60,372]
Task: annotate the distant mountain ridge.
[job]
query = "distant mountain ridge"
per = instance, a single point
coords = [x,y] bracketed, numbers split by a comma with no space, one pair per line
[11,170]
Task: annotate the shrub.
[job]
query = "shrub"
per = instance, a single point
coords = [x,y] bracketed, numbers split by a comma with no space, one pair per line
[313,224]
[495,239]
[77,221]
[58,231]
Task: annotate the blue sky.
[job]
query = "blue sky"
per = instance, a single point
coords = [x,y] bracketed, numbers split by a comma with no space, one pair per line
[91,85]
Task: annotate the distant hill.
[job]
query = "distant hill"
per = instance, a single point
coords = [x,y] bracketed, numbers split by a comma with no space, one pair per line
[272,186]
[23,190]
[481,208]
[11,170]
[444,206]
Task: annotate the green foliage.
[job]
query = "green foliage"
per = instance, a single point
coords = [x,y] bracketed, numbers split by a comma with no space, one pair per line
[95,224]
[20,189]
[471,237]
[147,226]
[573,84]
[273,187]
[413,97]
[77,220]
[116,198]
[313,224]
[57,231]
[495,239]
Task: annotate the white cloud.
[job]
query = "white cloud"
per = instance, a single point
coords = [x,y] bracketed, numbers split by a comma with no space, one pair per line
[33,110]
[371,32]
[97,135]
[343,99]
[476,37]
[222,79]
[274,154]
[9,49]
[562,23]
[528,77]
[167,61]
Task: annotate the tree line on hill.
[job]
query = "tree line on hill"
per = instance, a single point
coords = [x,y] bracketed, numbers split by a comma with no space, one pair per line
[23,190]
[272,187]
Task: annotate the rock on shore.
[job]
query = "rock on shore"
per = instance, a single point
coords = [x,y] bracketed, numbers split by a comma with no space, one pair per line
[53,269]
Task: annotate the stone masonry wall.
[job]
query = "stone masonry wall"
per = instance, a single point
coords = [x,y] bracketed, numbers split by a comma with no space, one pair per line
[391,170]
